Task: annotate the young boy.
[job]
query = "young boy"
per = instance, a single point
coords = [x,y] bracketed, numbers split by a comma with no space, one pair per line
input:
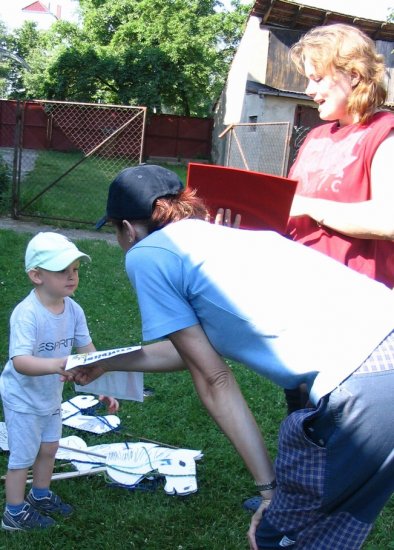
[44,329]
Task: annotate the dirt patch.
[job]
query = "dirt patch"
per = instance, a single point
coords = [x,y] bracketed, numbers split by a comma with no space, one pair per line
[32,227]
[28,160]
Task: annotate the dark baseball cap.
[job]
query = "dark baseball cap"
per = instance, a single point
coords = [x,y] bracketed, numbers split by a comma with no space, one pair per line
[133,191]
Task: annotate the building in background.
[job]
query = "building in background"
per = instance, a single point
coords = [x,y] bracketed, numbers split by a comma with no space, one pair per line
[264,92]
[13,13]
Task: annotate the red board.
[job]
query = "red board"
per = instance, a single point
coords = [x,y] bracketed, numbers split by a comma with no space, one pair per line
[263,200]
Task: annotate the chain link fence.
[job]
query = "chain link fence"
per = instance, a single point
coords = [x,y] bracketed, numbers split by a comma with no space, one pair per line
[260,147]
[62,156]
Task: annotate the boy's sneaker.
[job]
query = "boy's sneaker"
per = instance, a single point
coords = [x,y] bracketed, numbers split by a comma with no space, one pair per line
[28,519]
[51,504]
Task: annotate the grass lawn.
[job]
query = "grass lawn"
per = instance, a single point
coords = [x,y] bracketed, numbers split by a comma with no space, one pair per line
[67,186]
[107,517]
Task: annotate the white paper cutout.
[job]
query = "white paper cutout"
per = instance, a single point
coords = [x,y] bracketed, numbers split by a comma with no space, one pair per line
[179,468]
[74,405]
[73,416]
[3,437]
[94,424]
[130,466]
[129,463]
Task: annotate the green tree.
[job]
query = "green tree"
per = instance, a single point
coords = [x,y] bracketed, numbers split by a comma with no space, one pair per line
[5,62]
[170,55]
[22,43]
[11,63]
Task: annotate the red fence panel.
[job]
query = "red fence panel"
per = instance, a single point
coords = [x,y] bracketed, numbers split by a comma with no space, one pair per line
[178,137]
[170,136]
[8,115]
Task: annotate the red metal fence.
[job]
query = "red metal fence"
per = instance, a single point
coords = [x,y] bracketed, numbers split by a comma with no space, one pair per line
[168,136]
[178,137]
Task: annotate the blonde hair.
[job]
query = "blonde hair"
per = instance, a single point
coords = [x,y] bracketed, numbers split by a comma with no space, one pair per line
[346,49]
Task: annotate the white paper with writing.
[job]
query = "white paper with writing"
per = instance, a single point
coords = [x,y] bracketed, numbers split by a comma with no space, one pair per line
[119,384]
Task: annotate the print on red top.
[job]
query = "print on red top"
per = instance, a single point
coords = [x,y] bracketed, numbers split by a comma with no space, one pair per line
[334,163]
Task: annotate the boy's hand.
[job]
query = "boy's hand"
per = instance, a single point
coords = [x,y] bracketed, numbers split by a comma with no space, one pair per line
[59,365]
[111,403]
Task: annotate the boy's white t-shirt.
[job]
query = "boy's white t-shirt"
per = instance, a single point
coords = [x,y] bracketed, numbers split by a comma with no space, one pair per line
[36,331]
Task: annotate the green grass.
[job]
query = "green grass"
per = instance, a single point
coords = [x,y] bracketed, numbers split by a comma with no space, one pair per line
[107,517]
[68,186]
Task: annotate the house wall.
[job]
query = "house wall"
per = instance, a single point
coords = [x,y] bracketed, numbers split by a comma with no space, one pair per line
[249,63]
[253,108]
[263,57]
[273,109]
[387,49]
[13,13]
[281,72]
[260,108]
[218,143]
[268,108]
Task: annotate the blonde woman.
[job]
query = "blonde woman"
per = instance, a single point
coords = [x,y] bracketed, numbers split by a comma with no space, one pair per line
[345,197]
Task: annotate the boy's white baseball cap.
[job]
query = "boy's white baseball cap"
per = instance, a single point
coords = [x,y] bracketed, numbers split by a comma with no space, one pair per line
[52,251]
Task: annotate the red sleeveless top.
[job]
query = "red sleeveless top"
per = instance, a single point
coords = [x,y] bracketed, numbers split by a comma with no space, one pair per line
[334,163]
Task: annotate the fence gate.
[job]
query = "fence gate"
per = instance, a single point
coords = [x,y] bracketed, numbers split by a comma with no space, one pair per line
[62,155]
[259,146]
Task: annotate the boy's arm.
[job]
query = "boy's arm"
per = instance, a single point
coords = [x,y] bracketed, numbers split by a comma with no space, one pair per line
[86,349]
[39,366]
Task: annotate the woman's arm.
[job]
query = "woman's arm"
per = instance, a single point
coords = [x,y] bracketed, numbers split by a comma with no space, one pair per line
[371,219]
[156,357]
[220,393]
[215,385]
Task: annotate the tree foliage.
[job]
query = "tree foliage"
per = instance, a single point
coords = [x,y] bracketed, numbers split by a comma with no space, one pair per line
[170,55]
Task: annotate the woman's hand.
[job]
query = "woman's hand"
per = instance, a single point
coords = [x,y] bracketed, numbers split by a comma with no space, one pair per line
[223,217]
[256,518]
[85,375]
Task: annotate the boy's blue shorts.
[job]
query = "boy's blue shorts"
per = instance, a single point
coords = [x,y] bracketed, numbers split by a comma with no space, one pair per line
[26,432]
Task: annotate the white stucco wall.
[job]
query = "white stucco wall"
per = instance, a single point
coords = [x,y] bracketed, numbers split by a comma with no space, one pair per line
[270,108]
[279,109]
[253,106]
[249,63]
